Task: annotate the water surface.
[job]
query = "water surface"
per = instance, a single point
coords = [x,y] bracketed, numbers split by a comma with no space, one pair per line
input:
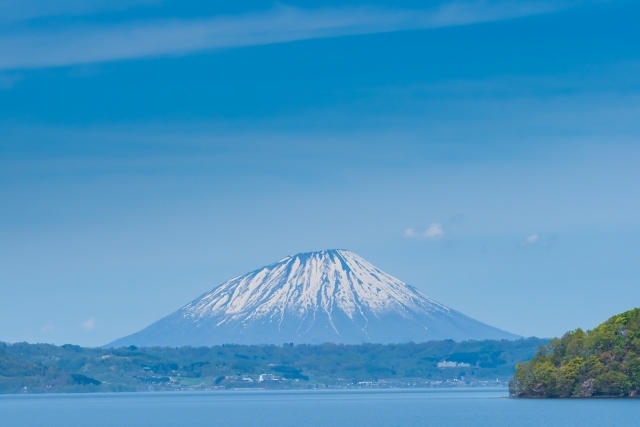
[458,407]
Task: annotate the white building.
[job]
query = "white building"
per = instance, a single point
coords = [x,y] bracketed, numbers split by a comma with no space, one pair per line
[446,364]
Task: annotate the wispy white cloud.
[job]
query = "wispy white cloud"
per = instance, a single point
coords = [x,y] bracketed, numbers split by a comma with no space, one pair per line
[410,233]
[89,325]
[29,48]
[18,10]
[434,231]
[540,241]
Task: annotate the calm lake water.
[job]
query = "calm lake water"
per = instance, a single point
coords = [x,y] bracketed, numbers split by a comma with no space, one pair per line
[313,409]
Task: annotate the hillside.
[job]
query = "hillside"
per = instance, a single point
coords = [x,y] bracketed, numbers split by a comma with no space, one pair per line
[602,362]
[41,368]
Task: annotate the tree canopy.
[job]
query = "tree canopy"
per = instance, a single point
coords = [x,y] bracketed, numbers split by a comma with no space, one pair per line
[602,362]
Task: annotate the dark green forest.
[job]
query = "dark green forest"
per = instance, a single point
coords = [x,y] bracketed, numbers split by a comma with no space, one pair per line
[602,362]
[40,368]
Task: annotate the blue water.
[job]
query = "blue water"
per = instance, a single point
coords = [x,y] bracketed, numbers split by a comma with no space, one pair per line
[313,409]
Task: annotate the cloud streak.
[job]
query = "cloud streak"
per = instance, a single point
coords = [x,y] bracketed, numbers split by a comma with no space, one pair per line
[434,231]
[53,47]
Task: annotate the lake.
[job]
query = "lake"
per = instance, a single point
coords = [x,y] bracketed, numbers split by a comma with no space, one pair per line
[353,408]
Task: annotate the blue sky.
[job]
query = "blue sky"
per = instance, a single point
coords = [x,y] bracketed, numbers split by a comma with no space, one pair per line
[483,151]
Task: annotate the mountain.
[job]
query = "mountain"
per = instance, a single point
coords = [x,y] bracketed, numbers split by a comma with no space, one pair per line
[314,297]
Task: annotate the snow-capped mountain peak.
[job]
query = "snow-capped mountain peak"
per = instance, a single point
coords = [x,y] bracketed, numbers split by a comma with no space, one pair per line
[329,295]
[309,282]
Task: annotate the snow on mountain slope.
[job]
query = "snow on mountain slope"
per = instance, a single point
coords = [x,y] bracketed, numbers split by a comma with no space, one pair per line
[314,297]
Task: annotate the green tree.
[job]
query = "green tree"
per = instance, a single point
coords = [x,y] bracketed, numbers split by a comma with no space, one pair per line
[601,362]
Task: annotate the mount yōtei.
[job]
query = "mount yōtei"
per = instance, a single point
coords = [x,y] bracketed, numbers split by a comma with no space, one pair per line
[314,297]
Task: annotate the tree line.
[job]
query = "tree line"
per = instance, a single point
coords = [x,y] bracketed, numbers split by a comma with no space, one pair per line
[47,368]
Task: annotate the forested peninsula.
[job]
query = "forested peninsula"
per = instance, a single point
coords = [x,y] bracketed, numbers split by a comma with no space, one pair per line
[45,368]
[602,362]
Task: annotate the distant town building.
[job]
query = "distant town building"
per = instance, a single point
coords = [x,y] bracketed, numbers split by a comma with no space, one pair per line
[445,364]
